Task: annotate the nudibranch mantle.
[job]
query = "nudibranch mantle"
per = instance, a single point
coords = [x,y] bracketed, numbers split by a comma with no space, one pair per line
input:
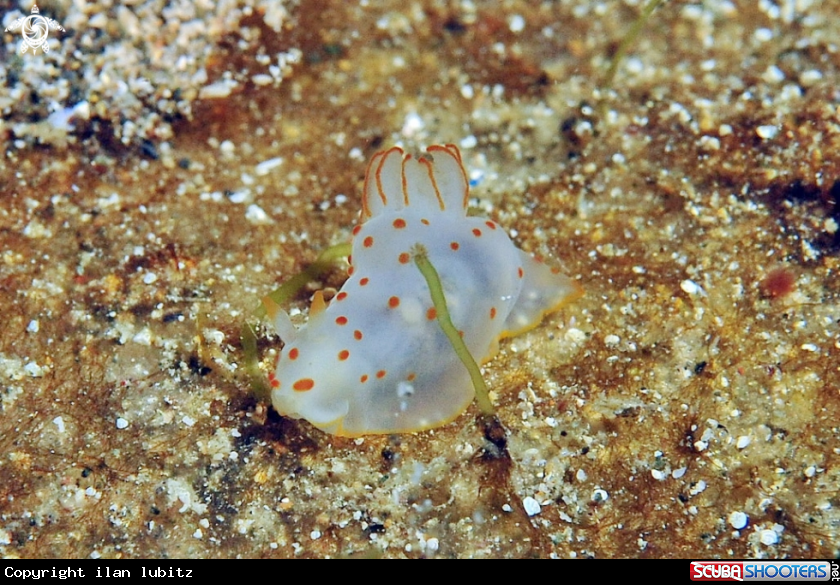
[375,360]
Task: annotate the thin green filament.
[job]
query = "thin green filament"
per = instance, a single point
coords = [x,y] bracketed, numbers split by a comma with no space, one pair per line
[421,259]
[252,367]
[627,41]
[287,290]
[294,285]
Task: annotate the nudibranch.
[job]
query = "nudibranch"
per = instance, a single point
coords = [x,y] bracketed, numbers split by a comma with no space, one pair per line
[375,360]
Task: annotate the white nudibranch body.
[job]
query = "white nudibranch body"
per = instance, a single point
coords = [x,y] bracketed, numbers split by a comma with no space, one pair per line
[376,360]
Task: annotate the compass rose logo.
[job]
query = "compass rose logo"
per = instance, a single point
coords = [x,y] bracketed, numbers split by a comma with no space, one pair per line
[34,29]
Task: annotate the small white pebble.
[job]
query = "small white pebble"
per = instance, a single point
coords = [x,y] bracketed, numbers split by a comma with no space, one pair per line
[580,475]
[738,520]
[227,147]
[33,369]
[516,23]
[315,534]
[611,340]
[188,420]
[767,132]
[657,474]
[575,335]
[600,495]
[219,89]
[724,130]
[197,533]
[809,347]
[709,143]
[262,79]
[122,423]
[507,508]
[412,125]
[678,473]
[95,555]
[267,166]
[532,506]
[240,196]
[149,277]
[468,141]
[143,337]
[773,75]
[256,215]
[690,287]
[810,77]
[763,34]
[432,545]
[768,537]
[743,442]
[33,326]
[59,422]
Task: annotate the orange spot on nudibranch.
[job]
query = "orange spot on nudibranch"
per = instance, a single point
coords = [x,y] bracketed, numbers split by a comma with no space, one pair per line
[394,302]
[476,232]
[399,223]
[490,224]
[272,379]
[350,270]
[368,242]
[341,320]
[431,314]
[364,281]
[520,272]
[411,377]
[357,229]
[454,245]
[357,335]
[343,355]
[293,353]
[381,374]
[492,312]
[404,258]
[304,385]
[341,296]
[424,221]
[364,378]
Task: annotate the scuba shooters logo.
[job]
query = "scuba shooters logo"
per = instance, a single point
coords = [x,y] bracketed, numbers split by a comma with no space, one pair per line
[763,571]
